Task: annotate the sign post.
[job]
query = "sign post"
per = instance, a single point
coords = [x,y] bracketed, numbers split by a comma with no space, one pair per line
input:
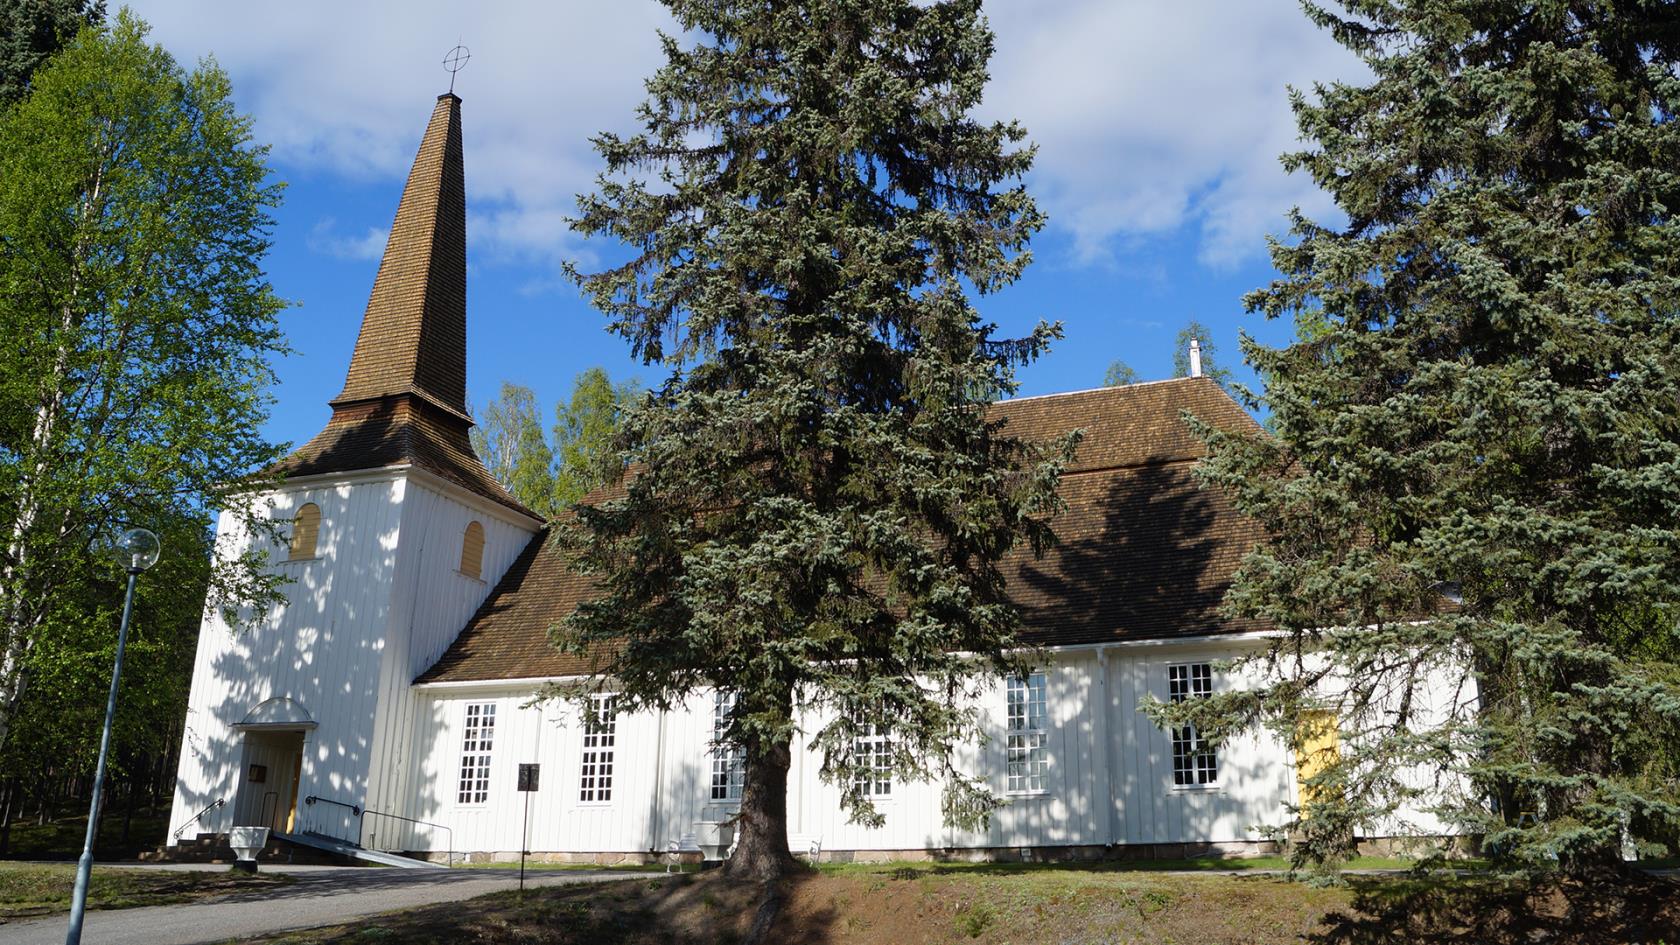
[528,777]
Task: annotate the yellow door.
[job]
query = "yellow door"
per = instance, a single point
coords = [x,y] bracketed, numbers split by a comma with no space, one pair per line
[297,775]
[1317,747]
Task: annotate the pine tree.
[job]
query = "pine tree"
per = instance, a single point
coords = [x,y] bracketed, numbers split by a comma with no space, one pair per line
[1475,479]
[818,502]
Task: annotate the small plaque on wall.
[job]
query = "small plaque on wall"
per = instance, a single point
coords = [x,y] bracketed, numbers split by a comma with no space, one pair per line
[259,774]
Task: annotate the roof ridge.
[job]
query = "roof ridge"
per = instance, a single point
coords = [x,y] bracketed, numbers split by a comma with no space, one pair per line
[1093,390]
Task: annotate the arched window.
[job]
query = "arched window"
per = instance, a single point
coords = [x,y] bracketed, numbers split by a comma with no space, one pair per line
[472,550]
[305,529]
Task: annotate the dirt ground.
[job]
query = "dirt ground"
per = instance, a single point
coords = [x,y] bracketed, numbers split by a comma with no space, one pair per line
[1027,905]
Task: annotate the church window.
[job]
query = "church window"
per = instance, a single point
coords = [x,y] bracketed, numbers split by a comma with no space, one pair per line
[472,550]
[1195,761]
[1026,752]
[728,760]
[476,739]
[872,752]
[600,737]
[306,527]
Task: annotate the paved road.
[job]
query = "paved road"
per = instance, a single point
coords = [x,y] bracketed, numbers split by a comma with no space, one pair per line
[319,896]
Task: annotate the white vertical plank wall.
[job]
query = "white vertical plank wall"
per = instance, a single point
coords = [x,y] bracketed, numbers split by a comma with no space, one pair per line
[381,597]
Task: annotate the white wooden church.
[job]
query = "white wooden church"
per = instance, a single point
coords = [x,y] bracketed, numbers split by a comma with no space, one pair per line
[388,705]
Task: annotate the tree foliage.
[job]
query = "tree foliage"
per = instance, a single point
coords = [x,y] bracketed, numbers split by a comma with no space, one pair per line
[548,477]
[819,502]
[1119,374]
[584,431]
[1196,331]
[138,325]
[31,31]
[1483,403]
[509,438]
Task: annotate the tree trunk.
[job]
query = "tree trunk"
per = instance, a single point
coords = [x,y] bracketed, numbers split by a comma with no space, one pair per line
[761,844]
[7,807]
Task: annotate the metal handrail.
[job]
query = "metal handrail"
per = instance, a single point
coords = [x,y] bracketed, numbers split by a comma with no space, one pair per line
[355,809]
[352,808]
[423,823]
[218,802]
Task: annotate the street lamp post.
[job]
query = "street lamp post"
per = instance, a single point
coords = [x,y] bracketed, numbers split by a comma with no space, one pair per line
[136,550]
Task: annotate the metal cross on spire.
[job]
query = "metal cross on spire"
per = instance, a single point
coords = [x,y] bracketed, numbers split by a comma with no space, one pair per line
[455,61]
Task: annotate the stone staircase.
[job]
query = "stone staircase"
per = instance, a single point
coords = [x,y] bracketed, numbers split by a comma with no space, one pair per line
[213,848]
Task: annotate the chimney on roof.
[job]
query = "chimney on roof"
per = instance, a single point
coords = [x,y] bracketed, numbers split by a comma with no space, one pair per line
[1195,358]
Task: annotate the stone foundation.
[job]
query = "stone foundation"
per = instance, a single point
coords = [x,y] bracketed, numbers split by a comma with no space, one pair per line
[1235,849]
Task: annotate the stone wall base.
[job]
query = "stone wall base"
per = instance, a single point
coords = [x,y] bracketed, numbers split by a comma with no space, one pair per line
[1059,854]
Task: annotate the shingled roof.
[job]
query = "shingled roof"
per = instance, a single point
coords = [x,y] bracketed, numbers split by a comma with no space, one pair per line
[1142,551]
[405,395]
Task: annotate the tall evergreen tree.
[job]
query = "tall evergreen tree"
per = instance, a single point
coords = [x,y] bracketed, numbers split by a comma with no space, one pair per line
[1483,406]
[31,31]
[138,325]
[818,503]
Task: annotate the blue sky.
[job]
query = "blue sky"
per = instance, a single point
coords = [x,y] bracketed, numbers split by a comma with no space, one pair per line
[1158,127]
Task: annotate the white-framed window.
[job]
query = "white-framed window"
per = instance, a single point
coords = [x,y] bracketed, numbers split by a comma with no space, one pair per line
[1194,760]
[600,740]
[477,737]
[1026,754]
[729,762]
[872,751]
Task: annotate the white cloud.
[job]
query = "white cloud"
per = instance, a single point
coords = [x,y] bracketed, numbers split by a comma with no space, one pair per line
[324,238]
[1150,116]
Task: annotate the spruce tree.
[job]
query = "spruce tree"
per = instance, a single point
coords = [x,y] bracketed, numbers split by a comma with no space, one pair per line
[817,502]
[1475,478]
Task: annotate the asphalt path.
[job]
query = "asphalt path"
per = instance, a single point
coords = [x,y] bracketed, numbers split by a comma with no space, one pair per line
[317,896]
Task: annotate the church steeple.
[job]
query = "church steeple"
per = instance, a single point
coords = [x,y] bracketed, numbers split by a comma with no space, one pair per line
[405,396]
[414,333]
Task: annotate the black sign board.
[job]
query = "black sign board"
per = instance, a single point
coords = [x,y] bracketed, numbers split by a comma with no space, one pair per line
[528,777]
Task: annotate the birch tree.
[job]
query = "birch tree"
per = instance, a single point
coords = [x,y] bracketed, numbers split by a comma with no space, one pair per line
[136,322]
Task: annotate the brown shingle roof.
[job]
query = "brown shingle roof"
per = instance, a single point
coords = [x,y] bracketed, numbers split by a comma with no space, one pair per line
[404,397]
[414,333]
[1142,552]
[395,431]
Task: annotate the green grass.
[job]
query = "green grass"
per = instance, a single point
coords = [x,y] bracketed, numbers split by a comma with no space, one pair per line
[1196,865]
[42,889]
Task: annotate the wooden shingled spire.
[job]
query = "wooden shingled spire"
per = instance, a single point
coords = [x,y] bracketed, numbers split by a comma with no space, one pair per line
[414,333]
[405,396]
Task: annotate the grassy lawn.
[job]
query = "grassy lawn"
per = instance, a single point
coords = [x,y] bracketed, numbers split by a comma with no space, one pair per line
[1027,903]
[32,889]
[1206,864]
